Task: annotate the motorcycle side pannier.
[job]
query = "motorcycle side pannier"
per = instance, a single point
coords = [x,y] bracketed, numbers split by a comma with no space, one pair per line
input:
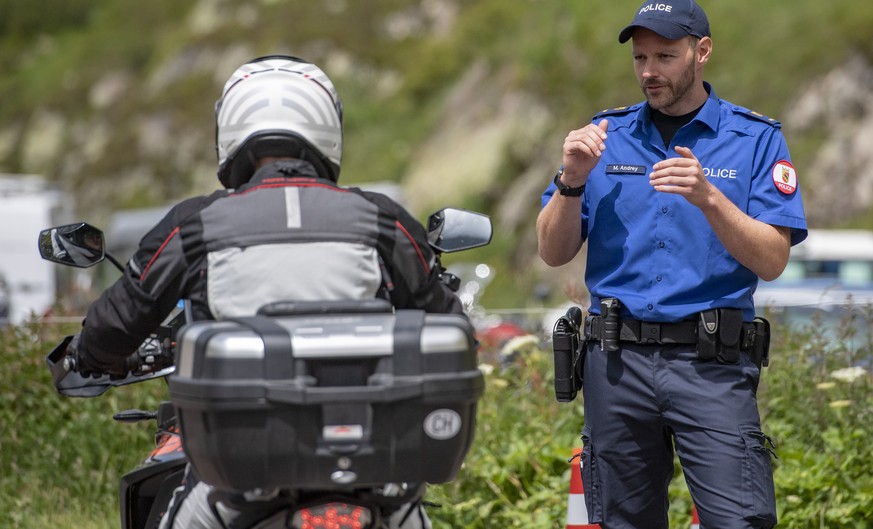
[327,401]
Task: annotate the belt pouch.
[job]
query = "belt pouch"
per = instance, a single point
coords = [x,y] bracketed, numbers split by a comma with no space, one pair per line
[761,347]
[730,333]
[707,334]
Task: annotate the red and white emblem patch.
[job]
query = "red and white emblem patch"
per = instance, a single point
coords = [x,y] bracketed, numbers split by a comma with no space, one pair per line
[785,177]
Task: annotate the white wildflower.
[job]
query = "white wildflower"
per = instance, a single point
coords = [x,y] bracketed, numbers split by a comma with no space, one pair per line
[849,374]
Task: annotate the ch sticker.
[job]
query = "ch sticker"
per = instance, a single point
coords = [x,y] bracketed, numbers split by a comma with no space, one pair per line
[442,424]
[785,177]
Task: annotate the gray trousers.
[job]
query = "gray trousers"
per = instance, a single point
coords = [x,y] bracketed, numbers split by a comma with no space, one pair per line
[644,400]
[190,508]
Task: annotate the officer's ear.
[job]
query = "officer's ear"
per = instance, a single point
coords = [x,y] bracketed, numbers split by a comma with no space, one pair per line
[704,50]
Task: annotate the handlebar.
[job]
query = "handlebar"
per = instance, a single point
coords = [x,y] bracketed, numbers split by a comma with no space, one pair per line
[153,359]
[153,355]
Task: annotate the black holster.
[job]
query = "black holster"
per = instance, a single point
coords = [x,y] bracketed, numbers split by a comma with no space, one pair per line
[610,318]
[568,349]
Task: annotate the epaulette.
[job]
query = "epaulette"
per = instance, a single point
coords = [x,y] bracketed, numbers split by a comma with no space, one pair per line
[758,116]
[618,111]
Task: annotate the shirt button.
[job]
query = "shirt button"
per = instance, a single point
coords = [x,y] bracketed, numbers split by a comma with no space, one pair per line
[650,306]
[664,210]
[658,279]
[662,244]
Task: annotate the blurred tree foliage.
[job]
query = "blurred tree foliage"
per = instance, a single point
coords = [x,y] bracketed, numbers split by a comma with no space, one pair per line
[113,99]
[22,23]
[565,53]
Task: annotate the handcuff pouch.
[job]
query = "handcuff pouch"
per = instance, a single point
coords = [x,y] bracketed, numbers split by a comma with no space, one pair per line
[719,335]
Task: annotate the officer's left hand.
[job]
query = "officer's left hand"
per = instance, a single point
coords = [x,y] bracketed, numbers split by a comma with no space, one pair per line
[682,176]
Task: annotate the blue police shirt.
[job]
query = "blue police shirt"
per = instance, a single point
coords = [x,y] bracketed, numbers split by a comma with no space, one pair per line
[655,251]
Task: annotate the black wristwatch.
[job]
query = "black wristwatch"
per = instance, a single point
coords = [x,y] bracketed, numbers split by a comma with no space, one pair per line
[565,190]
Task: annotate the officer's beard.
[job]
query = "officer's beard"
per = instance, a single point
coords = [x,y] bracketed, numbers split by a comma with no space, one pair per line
[671,95]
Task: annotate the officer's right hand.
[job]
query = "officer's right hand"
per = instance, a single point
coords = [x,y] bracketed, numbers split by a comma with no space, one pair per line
[582,150]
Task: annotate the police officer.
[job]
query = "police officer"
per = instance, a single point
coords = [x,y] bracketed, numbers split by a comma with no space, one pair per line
[686,200]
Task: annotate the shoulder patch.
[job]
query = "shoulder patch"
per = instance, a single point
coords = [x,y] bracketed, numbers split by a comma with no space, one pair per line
[758,116]
[618,111]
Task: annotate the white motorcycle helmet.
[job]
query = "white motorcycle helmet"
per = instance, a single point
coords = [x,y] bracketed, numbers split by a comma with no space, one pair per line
[280,106]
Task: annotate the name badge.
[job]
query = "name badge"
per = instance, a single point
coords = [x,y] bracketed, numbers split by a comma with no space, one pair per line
[620,168]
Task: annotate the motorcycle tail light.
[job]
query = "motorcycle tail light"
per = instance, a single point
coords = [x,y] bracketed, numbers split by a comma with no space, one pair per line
[333,515]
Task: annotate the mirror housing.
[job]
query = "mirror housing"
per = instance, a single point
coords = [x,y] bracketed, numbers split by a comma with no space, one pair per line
[453,230]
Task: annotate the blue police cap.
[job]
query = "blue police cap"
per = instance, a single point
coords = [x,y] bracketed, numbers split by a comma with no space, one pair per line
[672,19]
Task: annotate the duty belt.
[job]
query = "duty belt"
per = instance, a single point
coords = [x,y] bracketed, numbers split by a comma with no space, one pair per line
[655,333]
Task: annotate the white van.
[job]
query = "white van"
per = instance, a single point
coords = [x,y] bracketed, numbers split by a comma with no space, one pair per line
[831,268]
[843,257]
[27,205]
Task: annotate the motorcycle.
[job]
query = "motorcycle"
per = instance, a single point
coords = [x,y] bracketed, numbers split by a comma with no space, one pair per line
[330,415]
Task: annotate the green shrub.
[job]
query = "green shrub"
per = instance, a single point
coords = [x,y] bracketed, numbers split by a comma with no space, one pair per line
[62,458]
[816,401]
[817,404]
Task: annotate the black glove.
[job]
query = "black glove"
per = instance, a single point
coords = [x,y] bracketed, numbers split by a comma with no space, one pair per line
[150,357]
[84,364]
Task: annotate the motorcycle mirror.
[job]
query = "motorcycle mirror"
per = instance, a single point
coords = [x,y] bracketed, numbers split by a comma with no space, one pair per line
[80,245]
[453,230]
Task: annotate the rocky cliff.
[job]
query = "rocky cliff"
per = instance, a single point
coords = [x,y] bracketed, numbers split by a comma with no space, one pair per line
[463,102]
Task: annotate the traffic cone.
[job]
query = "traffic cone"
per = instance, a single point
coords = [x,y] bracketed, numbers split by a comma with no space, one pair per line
[577,513]
[695,523]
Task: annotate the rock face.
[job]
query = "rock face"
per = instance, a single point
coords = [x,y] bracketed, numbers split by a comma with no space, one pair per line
[139,133]
[485,131]
[838,108]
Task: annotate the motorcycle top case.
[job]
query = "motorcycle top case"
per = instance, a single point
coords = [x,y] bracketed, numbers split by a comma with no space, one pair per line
[327,401]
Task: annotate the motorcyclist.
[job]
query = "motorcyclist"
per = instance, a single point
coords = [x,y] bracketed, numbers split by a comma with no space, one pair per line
[281,230]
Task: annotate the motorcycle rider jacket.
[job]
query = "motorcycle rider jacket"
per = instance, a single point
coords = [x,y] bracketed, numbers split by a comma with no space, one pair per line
[285,235]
